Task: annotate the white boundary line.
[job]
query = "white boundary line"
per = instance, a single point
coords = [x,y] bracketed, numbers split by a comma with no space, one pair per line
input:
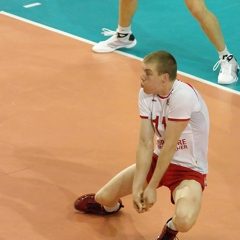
[119,52]
[32,5]
[46,27]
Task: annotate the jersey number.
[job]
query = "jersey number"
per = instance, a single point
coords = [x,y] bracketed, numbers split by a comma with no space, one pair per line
[156,121]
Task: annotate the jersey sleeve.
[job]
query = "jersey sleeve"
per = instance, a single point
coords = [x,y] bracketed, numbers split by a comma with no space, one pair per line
[183,104]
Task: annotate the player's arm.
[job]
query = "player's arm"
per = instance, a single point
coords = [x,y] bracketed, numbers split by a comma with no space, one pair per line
[172,135]
[143,159]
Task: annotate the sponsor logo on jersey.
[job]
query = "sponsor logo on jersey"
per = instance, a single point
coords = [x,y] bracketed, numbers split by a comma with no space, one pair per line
[182,144]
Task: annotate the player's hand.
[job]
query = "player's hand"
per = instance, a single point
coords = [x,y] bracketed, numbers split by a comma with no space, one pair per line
[149,197]
[138,202]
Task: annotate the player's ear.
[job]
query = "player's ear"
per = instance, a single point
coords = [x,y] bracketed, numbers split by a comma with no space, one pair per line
[165,77]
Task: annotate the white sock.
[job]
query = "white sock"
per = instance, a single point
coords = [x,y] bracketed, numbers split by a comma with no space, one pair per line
[112,209]
[124,29]
[172,226]
[224,52]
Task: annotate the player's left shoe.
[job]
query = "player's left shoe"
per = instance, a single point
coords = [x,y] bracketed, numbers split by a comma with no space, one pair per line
[168,233]
[87,204]
[229,69]
[116,41]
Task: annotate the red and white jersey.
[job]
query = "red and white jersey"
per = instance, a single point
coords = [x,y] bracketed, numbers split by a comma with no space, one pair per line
[182,103]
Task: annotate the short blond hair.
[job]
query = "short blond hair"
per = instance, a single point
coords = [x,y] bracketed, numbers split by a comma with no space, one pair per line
[164,61]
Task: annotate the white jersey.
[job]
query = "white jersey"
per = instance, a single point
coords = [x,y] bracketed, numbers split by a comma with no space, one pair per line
[182,103]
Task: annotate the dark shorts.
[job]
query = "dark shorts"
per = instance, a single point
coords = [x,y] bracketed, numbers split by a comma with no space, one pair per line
[175,174]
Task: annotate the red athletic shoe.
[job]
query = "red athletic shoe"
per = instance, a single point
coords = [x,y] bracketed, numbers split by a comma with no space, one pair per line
[168,233]
[87,204]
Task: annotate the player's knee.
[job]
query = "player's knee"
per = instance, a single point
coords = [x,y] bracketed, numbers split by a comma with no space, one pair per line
[184,222]
[198,11]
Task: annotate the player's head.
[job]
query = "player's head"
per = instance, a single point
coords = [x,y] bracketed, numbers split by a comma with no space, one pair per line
[165,63]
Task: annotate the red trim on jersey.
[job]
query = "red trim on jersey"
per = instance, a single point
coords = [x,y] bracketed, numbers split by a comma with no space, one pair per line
[192,88]
[144,117]
[178,120]
[164,97]
[189,86]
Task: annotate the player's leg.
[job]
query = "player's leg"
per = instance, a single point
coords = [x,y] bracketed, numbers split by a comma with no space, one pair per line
[122,37]
[107,199]
[188,198]
[210,25]
[208,22]
[119,186]
[127,9]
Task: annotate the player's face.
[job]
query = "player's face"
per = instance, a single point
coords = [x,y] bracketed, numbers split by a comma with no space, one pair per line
[151,80]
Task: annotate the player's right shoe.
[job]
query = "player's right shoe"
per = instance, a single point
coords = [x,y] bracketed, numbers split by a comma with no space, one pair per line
[168,233]
[229,69]
[87,204]
[118,40]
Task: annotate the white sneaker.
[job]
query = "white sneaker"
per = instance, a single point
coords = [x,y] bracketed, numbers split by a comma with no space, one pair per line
[118,40]
[229,69]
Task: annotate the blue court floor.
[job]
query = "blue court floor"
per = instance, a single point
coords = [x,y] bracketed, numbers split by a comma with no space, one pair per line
[157,25]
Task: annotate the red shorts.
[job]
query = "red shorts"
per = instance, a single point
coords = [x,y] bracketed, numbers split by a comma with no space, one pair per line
[175,174]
